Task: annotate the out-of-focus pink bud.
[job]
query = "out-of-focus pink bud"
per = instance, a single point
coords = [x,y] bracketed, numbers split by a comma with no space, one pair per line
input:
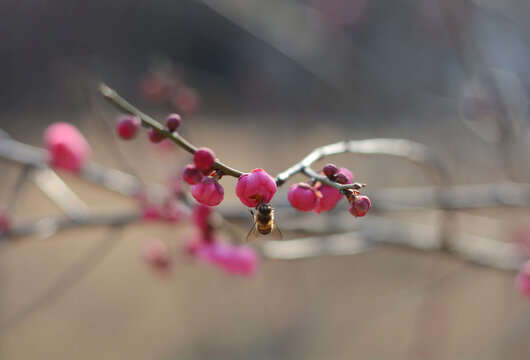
[360,206]
[204,158]
[330,170]
[192,175]
[153,88]
[255,187]
[208,192]
[156,254]
[200,216]
[127,126]
[522,281]
[5,222]
[187,100]
[155,137]
[68,148]
[302,197]
[242,260]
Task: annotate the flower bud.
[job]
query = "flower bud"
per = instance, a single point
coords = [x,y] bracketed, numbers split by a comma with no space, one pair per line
[173,121]
[341,178]
[127,126]
[302,197]
[255,187]
[154,136]
[191,174]
[330,170]
[360,206]
[67,147]
[204,158]
[208,192]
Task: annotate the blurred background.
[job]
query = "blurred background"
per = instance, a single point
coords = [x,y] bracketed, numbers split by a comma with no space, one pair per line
[263,83]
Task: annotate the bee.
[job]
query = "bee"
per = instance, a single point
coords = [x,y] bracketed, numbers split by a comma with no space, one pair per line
[264,223]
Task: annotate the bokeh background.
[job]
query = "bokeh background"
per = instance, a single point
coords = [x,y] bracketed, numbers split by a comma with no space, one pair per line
[263,83]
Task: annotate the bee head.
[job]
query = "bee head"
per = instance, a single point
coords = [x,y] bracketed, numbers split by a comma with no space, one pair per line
[264,208]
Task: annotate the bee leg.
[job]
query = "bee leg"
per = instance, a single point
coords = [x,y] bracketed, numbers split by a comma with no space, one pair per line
[252,212]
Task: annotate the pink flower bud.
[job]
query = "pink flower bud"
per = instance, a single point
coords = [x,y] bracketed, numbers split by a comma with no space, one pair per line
[302,197]
[522,281]
[155,137]
[200,216]
[156,254]
[127,126]
[330,170]
[67,147]
[360,206]
[192,175]
[204,158]
[255,187]
[208,192]
[330,198]
[341,178]
[173,121]
[187,100]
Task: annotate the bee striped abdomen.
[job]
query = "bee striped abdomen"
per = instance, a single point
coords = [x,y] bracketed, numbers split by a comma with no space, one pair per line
[264,229]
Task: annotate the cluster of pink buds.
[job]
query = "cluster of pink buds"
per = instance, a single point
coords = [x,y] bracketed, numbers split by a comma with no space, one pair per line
[321,197]
[67,147]
[209,248]
[166,84]
[205,187]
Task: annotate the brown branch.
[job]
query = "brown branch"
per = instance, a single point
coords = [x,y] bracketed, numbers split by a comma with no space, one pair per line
[149,122]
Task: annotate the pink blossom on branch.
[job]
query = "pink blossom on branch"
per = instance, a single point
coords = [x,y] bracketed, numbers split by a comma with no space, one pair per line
[192,175]
[208,192]
[204,158]
[303,197]
[67,147]
[360,206]
[255,187]
[331,196]
[127,126]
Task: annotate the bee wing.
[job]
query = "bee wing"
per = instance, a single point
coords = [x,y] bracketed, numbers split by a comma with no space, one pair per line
[276,233]
[253,233]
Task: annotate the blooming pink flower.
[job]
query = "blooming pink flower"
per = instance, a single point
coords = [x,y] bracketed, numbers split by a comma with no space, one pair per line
[192,175]
[204,158]
[331,196]
[200,216]
[522,281]
[68,148]
[156,254]
[255,187]
[360,206]
[208,192]
[127,126]
[302,197]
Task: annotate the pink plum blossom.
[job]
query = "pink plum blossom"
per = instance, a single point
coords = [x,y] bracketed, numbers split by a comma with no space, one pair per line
[255,187]
[127,126]
[67,147]
[360,206]
[330,195]
[302,197]
[208,192]
[192,175]
[204,158]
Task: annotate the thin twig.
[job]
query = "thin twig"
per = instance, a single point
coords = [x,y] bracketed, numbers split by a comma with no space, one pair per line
[148,121]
